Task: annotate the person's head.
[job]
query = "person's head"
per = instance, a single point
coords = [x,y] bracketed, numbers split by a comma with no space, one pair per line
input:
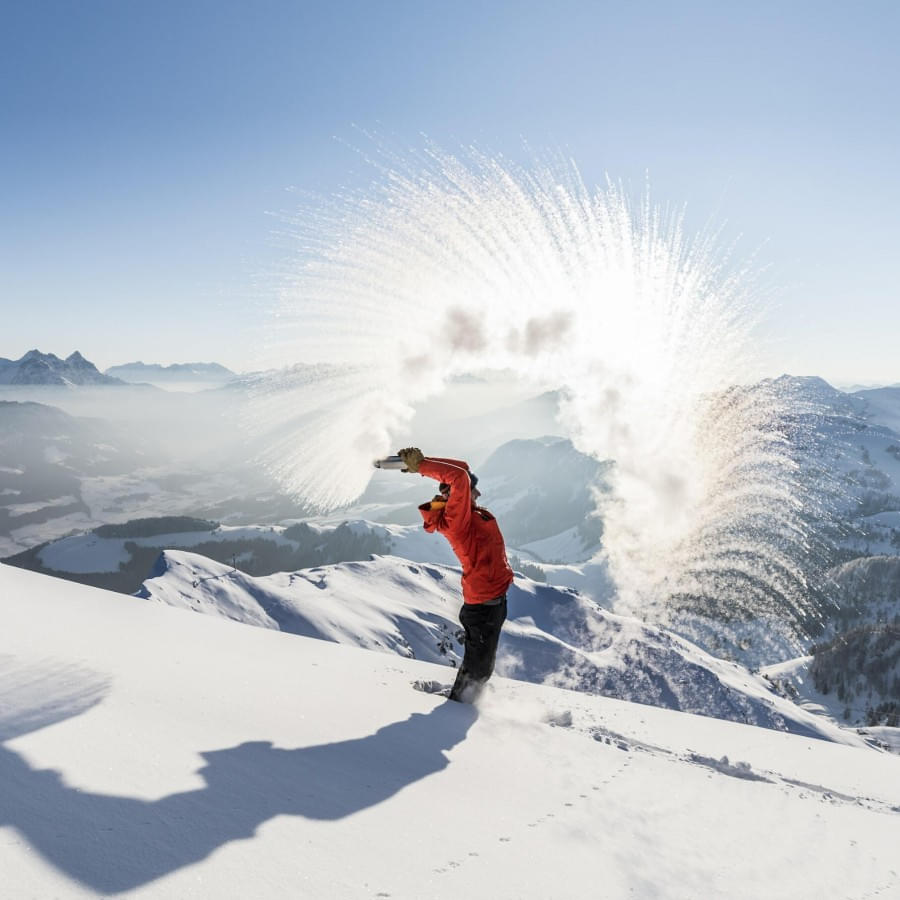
[444,489]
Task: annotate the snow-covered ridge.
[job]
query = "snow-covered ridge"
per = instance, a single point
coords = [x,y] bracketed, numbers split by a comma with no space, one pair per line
[541,490]
[553,635]
[176,370]
[178,376]
[47,368]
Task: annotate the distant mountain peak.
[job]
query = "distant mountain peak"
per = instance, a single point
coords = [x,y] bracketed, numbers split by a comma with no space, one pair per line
[36,368]
[186,373]
[807,380]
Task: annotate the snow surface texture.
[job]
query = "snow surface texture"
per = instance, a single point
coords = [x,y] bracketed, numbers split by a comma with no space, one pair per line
[149,753]
[553,635]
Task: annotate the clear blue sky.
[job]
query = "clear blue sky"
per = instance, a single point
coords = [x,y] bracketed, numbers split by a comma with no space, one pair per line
[143,145]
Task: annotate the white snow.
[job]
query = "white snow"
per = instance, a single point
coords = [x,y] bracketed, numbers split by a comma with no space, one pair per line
[552,636]
[26,536]
[54,455]
[567,545]
[21,509]
[150,753]
[888,736]
[81,553]
[795,676]
[591,578]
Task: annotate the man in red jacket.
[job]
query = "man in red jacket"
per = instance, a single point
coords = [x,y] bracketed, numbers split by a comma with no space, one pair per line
[478,544]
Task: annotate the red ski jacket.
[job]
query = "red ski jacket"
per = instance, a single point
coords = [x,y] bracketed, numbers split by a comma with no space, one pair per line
[472,531]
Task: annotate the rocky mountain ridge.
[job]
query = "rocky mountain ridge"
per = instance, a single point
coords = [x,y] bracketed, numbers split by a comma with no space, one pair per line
[37,368]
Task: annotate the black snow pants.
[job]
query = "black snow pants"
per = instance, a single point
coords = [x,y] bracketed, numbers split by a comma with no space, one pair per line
[482,623]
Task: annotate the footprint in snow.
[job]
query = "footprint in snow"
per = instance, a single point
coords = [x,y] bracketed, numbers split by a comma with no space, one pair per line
[560,719]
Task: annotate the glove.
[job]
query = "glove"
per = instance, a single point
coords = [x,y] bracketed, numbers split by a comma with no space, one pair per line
[412,457]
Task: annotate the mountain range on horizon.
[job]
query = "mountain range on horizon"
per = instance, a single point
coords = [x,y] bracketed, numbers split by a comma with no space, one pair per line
[36,367]
[136,372]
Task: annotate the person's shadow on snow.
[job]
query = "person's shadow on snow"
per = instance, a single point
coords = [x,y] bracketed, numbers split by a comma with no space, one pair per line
[114,843]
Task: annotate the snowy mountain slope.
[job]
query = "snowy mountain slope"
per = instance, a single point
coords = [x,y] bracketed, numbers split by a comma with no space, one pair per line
[854,679]
[569,545]
[854,444]
[541,488]
[553,636]
[175,371]
[152,754]
[474,417]
[882,405]
[853,673]
[792,678]
[868,592]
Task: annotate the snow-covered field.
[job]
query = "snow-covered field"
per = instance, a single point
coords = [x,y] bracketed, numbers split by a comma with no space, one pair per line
[20,509]
[149,752]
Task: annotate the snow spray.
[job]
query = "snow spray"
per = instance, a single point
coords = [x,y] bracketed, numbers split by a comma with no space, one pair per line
[453,264]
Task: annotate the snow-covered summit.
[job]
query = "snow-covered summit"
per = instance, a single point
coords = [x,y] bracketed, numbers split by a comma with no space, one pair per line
[36,368]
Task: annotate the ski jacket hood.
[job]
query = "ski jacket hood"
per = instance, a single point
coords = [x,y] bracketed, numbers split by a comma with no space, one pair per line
[472,531]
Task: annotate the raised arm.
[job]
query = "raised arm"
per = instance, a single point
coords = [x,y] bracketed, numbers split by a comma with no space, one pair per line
[455,472]
[458,511]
